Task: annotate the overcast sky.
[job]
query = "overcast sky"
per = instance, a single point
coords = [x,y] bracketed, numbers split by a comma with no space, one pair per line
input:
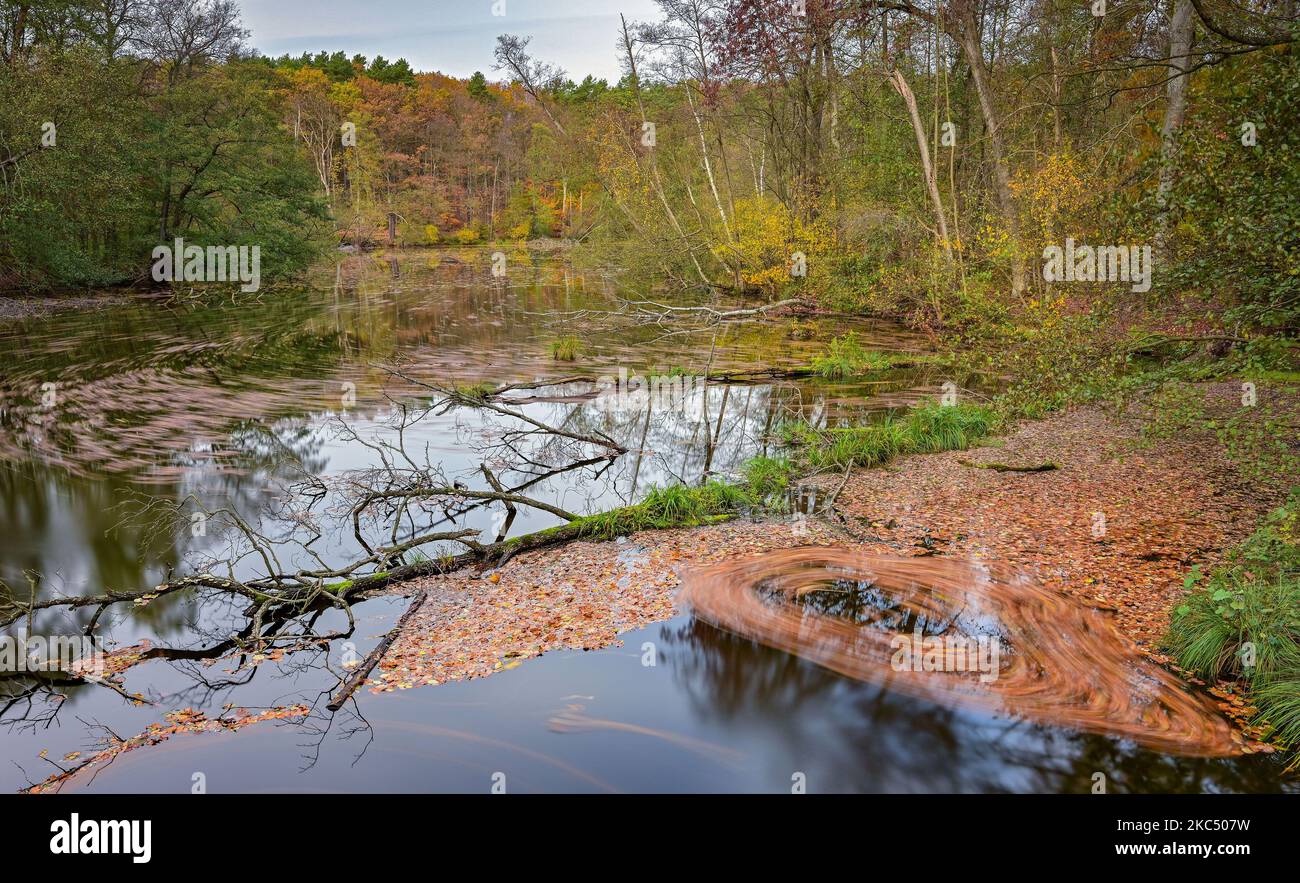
[452,36]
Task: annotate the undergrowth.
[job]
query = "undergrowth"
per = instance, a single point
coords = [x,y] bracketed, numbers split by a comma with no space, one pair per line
[922,430]
[1242,621]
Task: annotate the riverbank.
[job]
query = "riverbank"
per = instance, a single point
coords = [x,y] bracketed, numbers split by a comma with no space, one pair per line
[14,309]
[1115,526]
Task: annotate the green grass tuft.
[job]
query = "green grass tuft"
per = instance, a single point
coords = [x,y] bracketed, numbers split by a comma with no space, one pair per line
[845,357]
[675,505]
[565,349]
[474,392]
[768,477]
[1243,621]
[923,430]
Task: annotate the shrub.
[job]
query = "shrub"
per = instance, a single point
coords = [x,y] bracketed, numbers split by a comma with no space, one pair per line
[1243,621]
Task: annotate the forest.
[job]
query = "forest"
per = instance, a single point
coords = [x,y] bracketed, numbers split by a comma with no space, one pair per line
[921,159]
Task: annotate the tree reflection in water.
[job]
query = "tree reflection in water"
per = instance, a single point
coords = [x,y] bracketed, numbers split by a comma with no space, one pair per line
[847,735]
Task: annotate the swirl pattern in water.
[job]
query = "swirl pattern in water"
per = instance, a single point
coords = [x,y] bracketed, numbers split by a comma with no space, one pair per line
[955,632]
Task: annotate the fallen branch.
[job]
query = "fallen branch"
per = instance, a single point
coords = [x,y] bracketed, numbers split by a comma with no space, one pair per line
[1005,467]
[373,657]
[830,504]
[1161,340]
[460,397]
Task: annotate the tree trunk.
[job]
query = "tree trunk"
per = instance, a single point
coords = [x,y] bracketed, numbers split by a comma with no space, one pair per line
[1056,100]
[1181,28]
[922,144]
[654,163]
[20,33]
[708,172]
[968,36]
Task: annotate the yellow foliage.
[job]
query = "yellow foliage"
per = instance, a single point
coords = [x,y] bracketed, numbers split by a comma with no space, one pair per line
[1054,198]
[768,241]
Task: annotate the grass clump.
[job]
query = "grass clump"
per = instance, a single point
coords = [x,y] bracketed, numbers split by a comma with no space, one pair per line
[1242,621]
[923,430]
[845,357]
[933,428]
[1235,624]
[675,505]
[565,349]
[474,392]
[768,477]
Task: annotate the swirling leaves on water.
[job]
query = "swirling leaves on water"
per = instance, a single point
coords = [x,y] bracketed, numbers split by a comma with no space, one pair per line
[1063,664]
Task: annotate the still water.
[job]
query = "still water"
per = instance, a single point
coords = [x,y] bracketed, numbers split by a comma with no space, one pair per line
[715,713]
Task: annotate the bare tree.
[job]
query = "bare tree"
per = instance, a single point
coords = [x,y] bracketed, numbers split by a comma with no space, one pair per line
[534,76]
[113,24]
[183,34]
[899,83]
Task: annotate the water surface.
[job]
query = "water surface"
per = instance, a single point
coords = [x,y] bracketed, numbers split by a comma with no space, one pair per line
[229,402]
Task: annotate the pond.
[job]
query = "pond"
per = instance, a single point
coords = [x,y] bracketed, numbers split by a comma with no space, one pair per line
[230,403]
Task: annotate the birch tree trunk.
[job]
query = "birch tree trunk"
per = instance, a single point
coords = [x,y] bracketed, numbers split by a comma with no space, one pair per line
[931,184]
[708,166]
[1181,28]
[654,163]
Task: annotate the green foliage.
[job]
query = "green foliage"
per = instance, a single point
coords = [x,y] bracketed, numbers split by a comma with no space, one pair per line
[925,429]
[474,392]
[72,214]
[202,156]
[589,90]
[764,483]
[1258,441]
[392,73]
[768,479]
[477,87]
[1059,361]
[933,428]
[1237,232]
[672,506]
[1243,620]
[845,357]
[337,66]
[566,348]
[1233,608]
[1278,700]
